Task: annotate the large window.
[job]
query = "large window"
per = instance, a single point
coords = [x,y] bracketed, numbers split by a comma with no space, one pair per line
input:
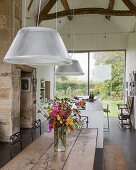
[70,86]
[107,77]
[104,74]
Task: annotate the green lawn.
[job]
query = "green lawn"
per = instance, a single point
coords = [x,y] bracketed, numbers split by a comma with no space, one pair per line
[112,106]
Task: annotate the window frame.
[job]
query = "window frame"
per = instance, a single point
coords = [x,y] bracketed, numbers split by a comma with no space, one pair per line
[90,51]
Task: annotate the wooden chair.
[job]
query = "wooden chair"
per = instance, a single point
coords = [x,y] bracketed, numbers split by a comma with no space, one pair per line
[124,111]
[36,124]
[107,111]
[15,138]
[84,120]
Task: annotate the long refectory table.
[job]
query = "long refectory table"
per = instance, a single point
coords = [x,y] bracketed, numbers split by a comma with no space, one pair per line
[94,111]
[40,155]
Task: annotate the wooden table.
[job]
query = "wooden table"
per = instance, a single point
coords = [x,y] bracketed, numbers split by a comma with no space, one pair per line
[40,155]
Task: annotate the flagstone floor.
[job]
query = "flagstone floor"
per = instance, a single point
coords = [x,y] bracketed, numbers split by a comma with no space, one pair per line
[125,138]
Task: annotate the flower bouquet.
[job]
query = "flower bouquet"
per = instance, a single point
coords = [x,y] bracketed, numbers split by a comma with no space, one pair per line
[61,118]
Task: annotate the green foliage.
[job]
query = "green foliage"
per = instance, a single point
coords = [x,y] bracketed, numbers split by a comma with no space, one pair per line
[62,77]
[70,88]
[115,87]
[109,89]
[112,106]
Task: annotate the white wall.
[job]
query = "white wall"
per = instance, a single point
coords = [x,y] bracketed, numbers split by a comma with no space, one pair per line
[131,64]
[96,42]
[131,55]
[88,32]
[46,73]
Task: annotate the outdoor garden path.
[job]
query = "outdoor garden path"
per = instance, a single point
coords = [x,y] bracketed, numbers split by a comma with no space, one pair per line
[40,154]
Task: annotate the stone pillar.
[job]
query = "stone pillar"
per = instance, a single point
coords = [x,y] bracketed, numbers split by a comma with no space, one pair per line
[10,23]
[10,75]
[27,108]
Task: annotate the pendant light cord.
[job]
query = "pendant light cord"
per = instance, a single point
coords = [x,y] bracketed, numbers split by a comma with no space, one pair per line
[56,15]
[38,17]
[25,13]
[73,32]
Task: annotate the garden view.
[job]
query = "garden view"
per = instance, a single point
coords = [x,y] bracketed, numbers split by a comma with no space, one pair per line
[106,78]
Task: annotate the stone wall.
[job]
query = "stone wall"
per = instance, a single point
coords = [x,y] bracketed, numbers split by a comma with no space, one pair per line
[5,71]
[9,74]
[27,115]
[16,72]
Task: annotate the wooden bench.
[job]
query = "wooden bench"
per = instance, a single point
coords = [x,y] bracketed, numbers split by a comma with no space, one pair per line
[40,155]
[124,111]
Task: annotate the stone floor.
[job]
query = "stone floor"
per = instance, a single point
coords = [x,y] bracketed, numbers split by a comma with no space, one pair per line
[126,138]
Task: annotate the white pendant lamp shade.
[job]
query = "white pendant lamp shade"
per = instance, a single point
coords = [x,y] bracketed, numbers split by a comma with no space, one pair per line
[37,46]
[71,70]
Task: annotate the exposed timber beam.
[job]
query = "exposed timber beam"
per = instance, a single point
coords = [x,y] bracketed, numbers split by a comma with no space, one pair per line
[110,7]
[66,7]
[30,4]
[131,6]
[47,7]
[82,11]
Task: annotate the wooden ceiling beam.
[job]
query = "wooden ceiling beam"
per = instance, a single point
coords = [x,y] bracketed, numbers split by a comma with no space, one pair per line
[110,7]
[47,7]
[82,11]
[66,7]
[30,4]
[131,6]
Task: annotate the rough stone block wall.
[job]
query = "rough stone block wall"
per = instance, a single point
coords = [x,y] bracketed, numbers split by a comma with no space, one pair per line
[16,86]
[5,72]
[9,75]
[16,72]
[10,83]
[27,115]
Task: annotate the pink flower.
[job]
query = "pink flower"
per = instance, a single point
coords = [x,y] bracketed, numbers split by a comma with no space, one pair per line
[50,127]
[30,109]
[56,104]
[54,110]
[55,114]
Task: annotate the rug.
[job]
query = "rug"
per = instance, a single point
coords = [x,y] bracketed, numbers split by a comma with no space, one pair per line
[113,158]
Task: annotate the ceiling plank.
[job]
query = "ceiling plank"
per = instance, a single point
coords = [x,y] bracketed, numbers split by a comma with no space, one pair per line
[66,7]
[30,4]
[110,7]
[46,8]
[131,6]
[82,11]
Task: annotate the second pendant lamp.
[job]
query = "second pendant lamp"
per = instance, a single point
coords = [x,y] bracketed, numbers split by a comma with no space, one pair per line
[72,70]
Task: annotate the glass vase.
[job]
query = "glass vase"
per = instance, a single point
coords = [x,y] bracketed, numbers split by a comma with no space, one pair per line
[60,139]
